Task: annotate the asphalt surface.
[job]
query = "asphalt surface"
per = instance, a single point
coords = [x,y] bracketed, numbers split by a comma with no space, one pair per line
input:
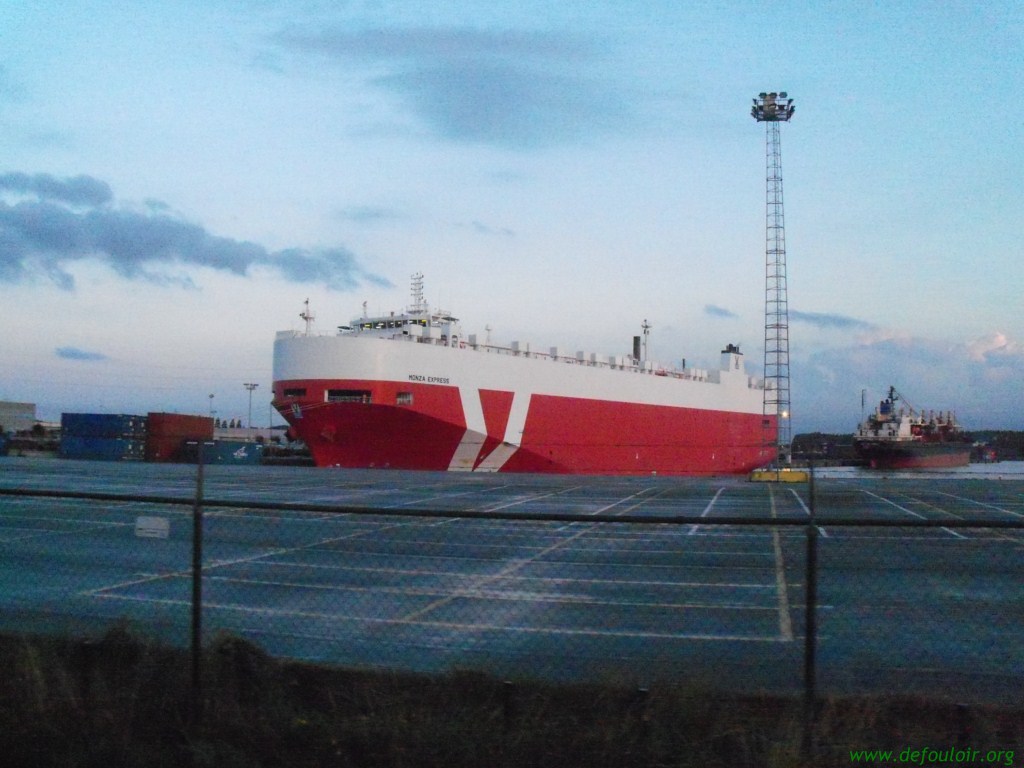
[934,610]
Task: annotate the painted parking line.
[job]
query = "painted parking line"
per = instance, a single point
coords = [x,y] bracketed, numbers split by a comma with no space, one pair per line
[909,511]
[982,504]
[458,627]
[707,510]
[929,505]
[624,500]
[523,595]
[1006,536]
[515,565]
[551,580]
[504,572]
[208,566]
[445,496]
[528,499]
[781,588]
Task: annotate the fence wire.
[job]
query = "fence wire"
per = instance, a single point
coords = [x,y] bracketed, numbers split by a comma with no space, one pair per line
[927,604]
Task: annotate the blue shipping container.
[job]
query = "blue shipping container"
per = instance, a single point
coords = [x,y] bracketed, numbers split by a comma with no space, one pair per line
[225,452]
[107,425]
[101,448]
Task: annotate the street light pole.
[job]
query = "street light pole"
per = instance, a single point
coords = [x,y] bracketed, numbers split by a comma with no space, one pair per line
[250,387]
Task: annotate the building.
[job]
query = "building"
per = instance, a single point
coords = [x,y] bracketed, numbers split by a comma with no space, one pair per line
[16,417]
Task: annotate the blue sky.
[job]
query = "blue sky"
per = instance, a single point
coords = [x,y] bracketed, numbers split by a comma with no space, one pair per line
[177,178]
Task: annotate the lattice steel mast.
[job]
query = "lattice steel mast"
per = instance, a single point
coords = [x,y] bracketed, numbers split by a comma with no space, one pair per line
[772,109]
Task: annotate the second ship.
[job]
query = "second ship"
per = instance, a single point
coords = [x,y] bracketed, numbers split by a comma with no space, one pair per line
[409,390]
[910,439]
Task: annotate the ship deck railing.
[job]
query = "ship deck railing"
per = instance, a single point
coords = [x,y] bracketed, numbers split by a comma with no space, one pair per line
[586,360]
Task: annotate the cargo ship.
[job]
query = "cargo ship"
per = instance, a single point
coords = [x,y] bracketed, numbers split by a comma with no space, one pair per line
[910,439]
[408,390]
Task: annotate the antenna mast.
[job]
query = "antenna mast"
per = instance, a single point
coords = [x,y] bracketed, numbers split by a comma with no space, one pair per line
[772,109]
[419,306]
[308,316]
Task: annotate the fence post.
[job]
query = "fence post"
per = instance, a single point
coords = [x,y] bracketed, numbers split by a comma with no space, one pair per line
[807,746]
[197,587]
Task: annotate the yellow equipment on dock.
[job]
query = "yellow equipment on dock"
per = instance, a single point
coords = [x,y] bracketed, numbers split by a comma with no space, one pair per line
[779,475]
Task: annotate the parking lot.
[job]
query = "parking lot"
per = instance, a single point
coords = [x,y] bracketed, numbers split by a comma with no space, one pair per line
[540,575]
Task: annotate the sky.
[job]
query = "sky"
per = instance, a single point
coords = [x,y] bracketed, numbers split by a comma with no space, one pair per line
[177,179]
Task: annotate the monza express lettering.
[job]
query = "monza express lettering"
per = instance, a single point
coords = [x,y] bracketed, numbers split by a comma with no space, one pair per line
[429,379]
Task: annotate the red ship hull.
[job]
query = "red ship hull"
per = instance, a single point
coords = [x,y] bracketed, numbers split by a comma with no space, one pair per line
[565,435]
[914,455]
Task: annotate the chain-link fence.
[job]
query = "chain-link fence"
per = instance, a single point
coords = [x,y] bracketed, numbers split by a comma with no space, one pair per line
[812,599]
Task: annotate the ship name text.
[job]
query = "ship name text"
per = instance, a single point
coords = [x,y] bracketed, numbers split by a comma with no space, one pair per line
[429,379]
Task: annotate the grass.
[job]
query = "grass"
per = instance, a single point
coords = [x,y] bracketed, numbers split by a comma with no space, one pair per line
[121,700]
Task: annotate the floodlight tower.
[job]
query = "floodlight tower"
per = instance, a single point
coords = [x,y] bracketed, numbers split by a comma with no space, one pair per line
[772,109]
[250,386]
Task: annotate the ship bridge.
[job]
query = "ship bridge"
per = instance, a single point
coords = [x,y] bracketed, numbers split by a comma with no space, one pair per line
[416,322]
[438,326]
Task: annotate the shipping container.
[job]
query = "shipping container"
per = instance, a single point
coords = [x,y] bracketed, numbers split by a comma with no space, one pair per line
[167,432]
[224,452]
[3,445]
[180,425]
[107,425]
[101,448]
[164,448]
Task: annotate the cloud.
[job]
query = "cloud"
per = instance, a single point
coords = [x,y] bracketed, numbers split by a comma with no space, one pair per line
[825,320]
[994,349]
[513,89]
[364,214]
[77,190]
[712,311]
[979,380]
[486,229]
[74,353]
[69,220]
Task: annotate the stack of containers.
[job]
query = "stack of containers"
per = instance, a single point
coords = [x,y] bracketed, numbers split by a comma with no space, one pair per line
[102,436]
[168,434]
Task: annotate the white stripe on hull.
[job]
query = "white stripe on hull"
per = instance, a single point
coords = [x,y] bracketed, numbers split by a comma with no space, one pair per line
[513,435]
[464,458]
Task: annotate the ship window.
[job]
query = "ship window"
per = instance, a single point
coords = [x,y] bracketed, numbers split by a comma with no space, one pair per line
[296,392]
[348,396]
[403,398]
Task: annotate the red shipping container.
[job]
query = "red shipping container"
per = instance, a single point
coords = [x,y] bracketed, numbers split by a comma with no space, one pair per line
[168,432]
